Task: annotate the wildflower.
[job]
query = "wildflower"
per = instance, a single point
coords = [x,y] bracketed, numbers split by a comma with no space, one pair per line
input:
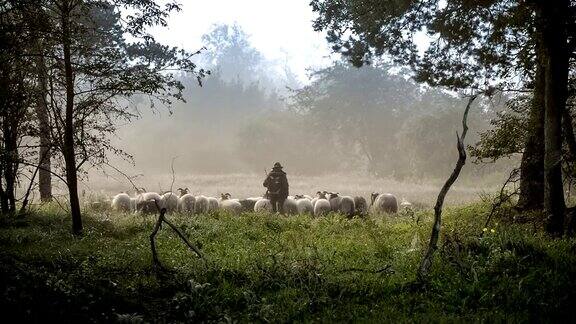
[492,230]
[484,229]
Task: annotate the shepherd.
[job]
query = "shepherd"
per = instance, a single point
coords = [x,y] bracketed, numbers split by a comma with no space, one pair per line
[276,184]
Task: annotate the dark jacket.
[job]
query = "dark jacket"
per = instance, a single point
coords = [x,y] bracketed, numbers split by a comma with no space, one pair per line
[277,183]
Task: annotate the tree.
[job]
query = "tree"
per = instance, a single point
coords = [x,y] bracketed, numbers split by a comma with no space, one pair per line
[474,45]
[15,98]
[94,70]
[553,21]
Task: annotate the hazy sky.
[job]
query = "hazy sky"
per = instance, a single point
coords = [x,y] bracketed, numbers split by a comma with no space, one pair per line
[280,29]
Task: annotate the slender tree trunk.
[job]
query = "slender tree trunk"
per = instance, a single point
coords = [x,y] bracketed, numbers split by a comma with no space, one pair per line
[3,197]
[532,165]
[68,145]
[553,23]
[568,131]
[10,159]
[44,159]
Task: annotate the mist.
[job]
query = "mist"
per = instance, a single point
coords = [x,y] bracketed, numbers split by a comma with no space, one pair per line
[251,112]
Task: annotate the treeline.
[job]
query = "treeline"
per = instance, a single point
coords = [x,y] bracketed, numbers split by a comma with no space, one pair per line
[373,120]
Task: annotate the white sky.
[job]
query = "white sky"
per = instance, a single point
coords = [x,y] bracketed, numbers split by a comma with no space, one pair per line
[280,29]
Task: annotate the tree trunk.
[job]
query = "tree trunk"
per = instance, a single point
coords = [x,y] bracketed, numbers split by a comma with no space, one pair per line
[532,165]
[3,197]
[68,143]
[553,23]
[568,131]
[44,159]
[10,157]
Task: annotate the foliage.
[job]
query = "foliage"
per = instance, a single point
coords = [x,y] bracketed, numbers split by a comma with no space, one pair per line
[266,268]
[508,134]
[114,58]
[376,117]
[473,44]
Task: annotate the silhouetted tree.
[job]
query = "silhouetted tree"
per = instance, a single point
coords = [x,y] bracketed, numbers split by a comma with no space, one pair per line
[474,45]
[97,61]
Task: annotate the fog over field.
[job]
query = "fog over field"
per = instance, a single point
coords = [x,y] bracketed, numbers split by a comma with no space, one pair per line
[342,128]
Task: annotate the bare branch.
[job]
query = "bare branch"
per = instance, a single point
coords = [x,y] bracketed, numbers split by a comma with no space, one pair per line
[433,245]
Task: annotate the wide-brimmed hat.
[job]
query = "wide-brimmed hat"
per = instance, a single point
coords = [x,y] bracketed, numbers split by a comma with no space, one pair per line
[277,165]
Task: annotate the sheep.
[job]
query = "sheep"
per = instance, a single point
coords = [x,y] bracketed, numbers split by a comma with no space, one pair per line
[133,204]
[290,206]
[249,203]
[361,205]
[186,203]
[304,205]
[169,201]
[232,206]
[335,200]
[147,202]
[263,205]
[227,196]
[183,191]
[347,206]
[213,204]
[386,203]
[319,195]
[121,202]
[321,207]
[201,205]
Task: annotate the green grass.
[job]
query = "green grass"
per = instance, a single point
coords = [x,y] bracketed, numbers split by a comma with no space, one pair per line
[261,268]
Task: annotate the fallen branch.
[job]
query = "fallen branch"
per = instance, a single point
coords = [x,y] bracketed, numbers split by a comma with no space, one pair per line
[433,245]
[387,269]
[161,218]
[155,261]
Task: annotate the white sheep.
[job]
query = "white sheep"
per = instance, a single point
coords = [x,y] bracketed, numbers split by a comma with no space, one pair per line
[213,204]
[321,207]
[169,201]
[146,202]
[334,199]
[263,205]
[232,206]
[201,205]
[319,195]
[133,204]
[304,205]
[186,203]
[384,203]
[290,206]
[121,202]
[347,206]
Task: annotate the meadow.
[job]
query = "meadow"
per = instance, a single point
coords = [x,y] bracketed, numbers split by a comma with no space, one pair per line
[271,268]
[422,192]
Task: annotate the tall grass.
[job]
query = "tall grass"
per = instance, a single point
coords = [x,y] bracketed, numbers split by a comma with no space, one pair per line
[262,267]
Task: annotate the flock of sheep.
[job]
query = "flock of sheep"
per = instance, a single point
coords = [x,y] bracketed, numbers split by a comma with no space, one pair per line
[323,203]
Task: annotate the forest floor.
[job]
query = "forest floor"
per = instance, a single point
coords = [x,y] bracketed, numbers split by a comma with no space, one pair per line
[268,268]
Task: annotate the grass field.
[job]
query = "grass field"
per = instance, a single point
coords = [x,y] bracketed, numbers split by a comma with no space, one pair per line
[267,268]
[419,191]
